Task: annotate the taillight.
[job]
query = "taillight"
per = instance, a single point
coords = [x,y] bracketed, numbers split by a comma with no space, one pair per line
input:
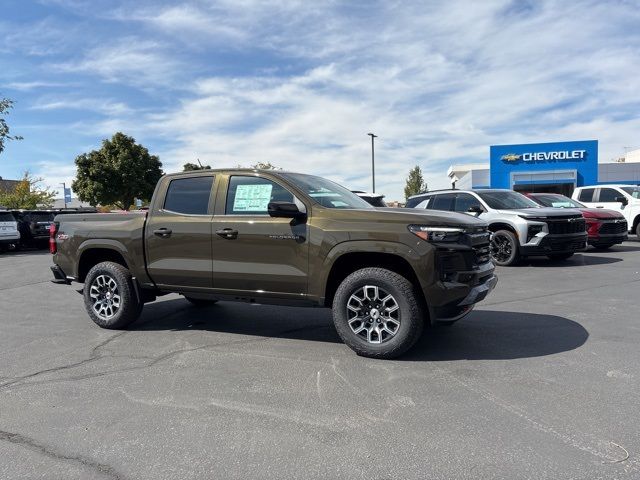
[53,229]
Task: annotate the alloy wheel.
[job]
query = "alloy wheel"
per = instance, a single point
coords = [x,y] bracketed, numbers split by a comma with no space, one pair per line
[373,314]
[105,296]
[501,248]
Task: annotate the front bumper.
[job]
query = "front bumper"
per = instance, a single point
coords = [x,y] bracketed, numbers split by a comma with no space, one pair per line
[607,239]
[555,244]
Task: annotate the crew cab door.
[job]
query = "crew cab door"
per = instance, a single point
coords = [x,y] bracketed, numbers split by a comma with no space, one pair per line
[255,255]
[178,233]
[606,198]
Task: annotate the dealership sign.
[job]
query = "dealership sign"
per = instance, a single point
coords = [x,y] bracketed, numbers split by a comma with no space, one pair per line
[544,163]
[545,156]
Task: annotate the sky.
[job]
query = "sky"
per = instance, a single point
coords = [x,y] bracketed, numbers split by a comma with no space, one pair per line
[301,83]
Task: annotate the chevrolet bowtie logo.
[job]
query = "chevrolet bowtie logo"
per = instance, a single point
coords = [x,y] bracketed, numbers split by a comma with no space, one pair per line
[511,157]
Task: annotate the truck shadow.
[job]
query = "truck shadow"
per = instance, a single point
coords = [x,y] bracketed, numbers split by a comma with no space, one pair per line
[495,335]
[483,335]
[577,260]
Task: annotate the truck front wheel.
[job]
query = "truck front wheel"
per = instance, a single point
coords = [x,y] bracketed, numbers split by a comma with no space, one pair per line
[377,313]
[109,296]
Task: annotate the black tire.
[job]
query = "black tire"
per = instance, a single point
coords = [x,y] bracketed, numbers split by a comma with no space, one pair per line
[105,282]
[638,230]
[560,256]
[504,248]
[199,302]
[402,329]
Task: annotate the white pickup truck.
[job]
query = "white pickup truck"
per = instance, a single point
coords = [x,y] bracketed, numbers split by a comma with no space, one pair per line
[621,198]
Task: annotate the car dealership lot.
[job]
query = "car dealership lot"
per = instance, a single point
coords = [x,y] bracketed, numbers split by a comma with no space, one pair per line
[541,381]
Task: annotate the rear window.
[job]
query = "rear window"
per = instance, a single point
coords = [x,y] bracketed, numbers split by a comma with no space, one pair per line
[443,202]
[189,196]
[586,194]
[40,217]
[6,217]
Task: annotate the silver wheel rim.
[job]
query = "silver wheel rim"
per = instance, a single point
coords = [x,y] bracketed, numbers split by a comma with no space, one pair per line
[105,296]
[373,314]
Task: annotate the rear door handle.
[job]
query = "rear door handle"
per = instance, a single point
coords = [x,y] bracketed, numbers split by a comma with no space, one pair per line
[228,233]
[162,232]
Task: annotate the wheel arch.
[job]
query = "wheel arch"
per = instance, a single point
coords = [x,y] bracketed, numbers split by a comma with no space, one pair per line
[349,262]
[95,255]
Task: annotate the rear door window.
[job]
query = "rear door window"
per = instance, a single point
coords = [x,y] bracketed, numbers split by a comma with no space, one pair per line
[443,202]
[189,196]
[586,194]
[413,202]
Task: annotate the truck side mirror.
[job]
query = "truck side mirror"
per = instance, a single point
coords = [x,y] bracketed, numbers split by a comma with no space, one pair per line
[285,210]
[622,200]
[475,209]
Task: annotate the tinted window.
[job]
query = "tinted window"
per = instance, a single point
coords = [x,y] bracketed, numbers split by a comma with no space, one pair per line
[413,202]
[189,195]
[6,217]
[40,217]
[251,195]
[425,202]
[464,201]
[506,200]
[586,194]
[556,201]
[608,195]
[442,202]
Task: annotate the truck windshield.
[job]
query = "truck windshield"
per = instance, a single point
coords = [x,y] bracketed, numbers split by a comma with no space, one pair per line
[557,201]
[633,191]
[325,192]
[506,200]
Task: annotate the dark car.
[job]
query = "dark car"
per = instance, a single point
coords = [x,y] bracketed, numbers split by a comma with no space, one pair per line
[605,228]
[34,226]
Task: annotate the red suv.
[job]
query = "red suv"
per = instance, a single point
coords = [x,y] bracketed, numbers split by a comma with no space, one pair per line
[605,228]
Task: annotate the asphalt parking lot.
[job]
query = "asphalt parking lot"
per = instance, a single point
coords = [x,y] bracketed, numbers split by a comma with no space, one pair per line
[542,381]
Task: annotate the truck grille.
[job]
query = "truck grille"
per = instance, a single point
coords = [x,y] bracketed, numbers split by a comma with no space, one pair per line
[479,242]
[564,246]
[614,227]
[566,225]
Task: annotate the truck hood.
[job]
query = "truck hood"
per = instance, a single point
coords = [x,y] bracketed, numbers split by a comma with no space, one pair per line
[600,213]
[409,216]
[543,212]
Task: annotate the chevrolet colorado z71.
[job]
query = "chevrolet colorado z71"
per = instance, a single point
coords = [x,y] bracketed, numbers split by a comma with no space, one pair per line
[279,238]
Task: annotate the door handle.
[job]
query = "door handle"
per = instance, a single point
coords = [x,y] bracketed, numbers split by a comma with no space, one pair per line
[228,233]
[162,232]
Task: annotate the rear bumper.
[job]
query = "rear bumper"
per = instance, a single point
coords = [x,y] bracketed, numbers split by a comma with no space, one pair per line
[9,240]
[556,244]
[59,275]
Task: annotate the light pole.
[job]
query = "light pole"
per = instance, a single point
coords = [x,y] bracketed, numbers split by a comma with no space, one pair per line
[373,164]
[64,194]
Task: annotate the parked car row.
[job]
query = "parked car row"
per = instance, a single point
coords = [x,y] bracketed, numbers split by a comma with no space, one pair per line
[29,228]
[537,224]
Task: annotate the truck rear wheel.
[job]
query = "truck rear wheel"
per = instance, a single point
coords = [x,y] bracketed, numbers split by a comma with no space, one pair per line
[504,248]
[109,296]
[377,313]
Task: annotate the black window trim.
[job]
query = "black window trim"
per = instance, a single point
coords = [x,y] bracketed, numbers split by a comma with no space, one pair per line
[211,196]
[599,190]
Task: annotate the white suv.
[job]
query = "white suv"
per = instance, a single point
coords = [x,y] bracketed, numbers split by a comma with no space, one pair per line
[9,234]
[621,198]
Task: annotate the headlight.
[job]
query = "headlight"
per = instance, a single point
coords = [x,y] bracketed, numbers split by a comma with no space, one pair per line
[436,234]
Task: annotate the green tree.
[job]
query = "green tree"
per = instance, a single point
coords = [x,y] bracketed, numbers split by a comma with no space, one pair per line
[28,194]
[5,106]
[119,172]
[415,183]
[188,167]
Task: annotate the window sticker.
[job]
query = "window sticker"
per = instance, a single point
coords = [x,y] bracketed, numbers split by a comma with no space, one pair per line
[252,198]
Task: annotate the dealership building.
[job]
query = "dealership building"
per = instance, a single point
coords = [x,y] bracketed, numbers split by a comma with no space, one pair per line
[557,167]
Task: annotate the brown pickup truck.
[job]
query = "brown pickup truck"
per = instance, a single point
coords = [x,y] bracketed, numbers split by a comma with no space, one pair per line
[274,237]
